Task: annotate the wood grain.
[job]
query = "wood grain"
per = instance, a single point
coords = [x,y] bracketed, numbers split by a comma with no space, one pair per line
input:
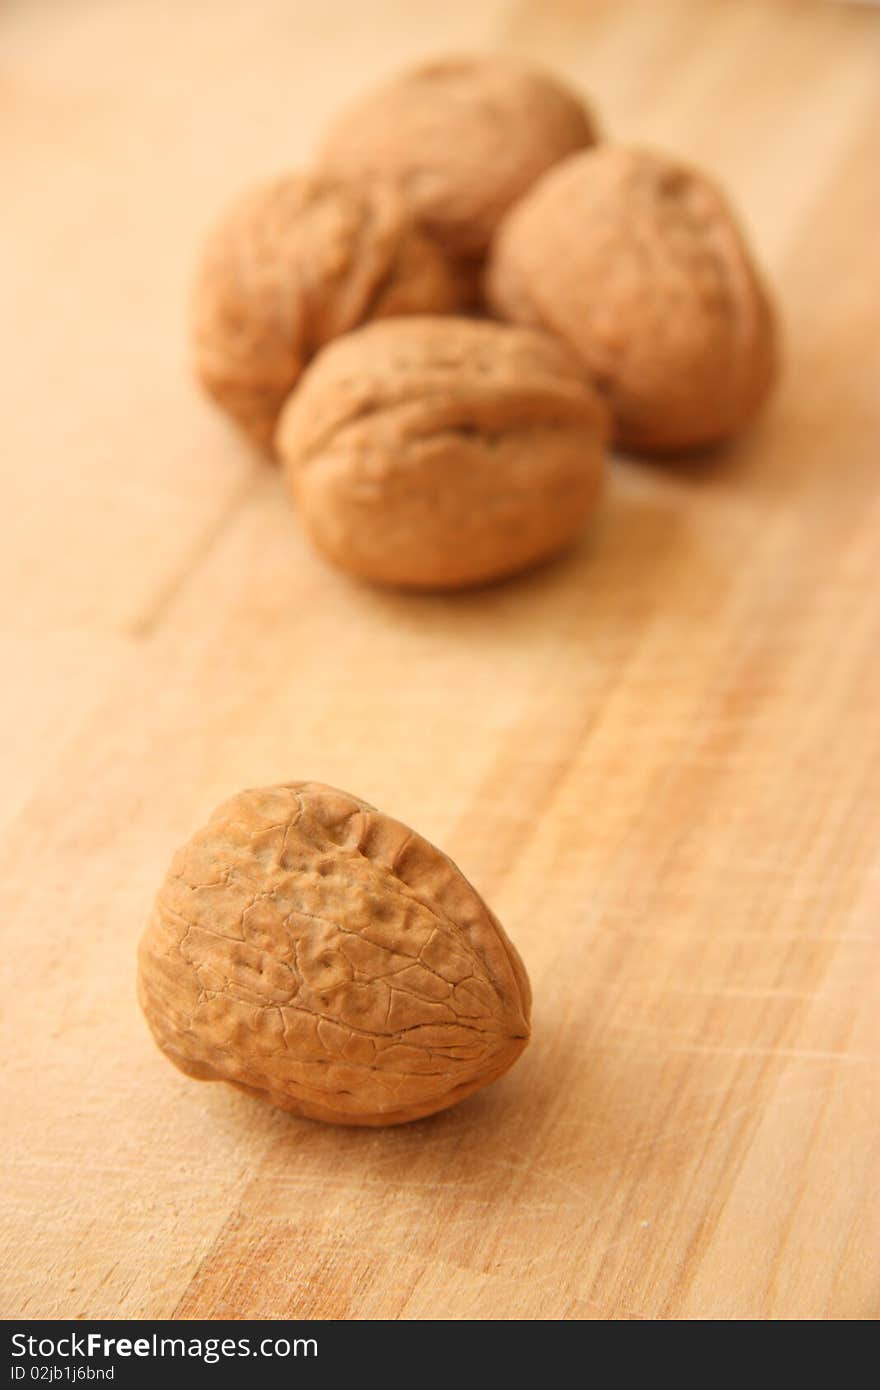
[658,758]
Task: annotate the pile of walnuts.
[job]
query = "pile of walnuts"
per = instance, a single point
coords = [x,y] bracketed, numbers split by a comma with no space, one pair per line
[304,946]
[439,330]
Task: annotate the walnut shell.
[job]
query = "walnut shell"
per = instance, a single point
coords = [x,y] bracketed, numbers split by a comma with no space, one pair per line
[464,137]
[317,953]
[440,452]
[636,262]
[293,264]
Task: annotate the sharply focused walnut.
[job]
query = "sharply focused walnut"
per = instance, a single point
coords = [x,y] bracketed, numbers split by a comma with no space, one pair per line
[291,265]
[636,262]
[441,452]
[464,138]
[321,955]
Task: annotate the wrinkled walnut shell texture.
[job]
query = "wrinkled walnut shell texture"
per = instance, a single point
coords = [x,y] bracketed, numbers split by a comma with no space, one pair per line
[636,262]
[311,950]
[464,138]
[293,264]
[437,453]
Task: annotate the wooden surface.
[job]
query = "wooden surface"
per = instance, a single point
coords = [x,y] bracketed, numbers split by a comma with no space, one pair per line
[658,758]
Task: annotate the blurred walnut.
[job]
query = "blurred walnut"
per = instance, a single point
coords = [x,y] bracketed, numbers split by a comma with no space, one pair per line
[319,954]
[442,452]
[636,262]
[293,264]
[464,138]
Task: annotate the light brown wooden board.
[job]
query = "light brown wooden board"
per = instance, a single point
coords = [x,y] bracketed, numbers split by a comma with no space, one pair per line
[658,758]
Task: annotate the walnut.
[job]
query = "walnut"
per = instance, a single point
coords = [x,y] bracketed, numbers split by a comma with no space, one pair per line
[292,264]
[464,138]
[313,951]
[441,452]
[636,262]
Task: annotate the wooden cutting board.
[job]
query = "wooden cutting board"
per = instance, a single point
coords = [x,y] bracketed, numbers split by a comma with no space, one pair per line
[658,757]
